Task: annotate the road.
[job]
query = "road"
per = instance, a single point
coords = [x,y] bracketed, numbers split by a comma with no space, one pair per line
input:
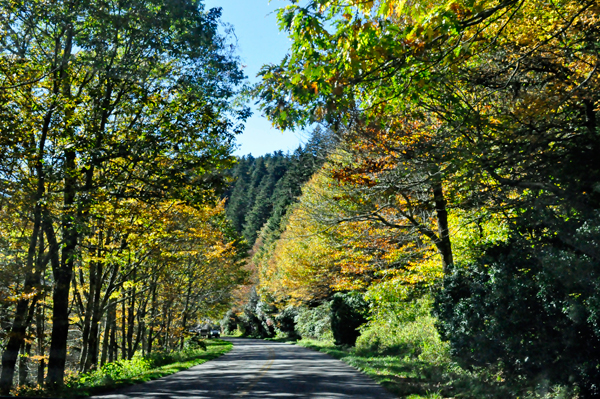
[261,369]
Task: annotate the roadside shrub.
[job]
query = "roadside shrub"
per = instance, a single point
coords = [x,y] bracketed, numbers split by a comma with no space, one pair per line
[195,342]
[230,322]
[315,323]
[404,328]
[348,312]
[532,312]
[118,370]
[285,321]
[256,320]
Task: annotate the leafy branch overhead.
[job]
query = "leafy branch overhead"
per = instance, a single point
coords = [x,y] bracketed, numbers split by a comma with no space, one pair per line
[465,168]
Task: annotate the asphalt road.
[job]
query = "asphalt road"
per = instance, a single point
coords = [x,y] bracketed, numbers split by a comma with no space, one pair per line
[261,369]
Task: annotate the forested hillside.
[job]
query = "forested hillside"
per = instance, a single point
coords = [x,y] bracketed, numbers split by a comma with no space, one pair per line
[450,241]
[263,188]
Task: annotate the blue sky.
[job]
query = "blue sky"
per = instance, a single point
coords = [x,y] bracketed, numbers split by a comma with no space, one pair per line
[259,42]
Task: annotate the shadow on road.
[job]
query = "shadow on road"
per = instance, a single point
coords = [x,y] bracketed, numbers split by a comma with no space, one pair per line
[261,369]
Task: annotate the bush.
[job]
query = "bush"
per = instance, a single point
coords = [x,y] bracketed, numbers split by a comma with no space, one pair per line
[530,312]
[286,321]
[404,328]
[256,321]
[195,342]
[348,312]
[230,322]
[315,323]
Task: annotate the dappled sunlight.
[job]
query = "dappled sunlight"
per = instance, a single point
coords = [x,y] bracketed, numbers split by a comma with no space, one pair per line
[259,369]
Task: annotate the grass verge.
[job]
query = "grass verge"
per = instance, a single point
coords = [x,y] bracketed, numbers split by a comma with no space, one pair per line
[408,377]
[135,371]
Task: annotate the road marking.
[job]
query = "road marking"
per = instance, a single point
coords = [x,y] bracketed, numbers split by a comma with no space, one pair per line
[260,374]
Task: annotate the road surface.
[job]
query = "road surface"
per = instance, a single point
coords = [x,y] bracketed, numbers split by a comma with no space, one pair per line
[261,369]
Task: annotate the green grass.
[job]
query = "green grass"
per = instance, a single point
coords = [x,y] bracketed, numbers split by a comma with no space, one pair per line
[410,378]
[138,370]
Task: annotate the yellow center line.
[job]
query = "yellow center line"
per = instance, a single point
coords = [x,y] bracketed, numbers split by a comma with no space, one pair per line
[260,374]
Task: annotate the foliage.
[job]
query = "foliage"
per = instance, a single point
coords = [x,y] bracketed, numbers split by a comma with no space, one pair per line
[467,128]
[264,187]
[403,327]
[285,321]
[139,369]
[230,322]
[528,312]
[315,323]
[348,312]
[117,121]
[256,320]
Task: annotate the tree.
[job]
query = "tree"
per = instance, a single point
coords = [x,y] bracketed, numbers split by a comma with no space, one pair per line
[120,100]
[474,111]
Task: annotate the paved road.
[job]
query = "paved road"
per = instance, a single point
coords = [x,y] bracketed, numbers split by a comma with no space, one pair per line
[261,369]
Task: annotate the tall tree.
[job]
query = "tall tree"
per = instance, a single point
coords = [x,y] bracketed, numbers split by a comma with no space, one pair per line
[122,99]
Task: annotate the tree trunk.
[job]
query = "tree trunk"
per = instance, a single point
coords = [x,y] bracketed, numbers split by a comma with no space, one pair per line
[444,244]
[19,326]
[123,332]
[113,347]
[153,318]
[62,280]
[88,315]
[106,340]
[131,321]
[41,349]
[92,358]
[63,270]
[24,364]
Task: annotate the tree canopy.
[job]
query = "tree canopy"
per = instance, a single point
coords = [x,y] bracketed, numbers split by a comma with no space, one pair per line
[112,112]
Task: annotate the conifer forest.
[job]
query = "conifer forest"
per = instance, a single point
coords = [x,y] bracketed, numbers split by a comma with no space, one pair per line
[439,228]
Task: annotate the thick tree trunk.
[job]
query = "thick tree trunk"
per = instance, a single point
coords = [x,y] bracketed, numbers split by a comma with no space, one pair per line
[60,327]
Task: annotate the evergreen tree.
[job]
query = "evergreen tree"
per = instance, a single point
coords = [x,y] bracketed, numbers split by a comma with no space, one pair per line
[264,187]
[238,192]
[263,201]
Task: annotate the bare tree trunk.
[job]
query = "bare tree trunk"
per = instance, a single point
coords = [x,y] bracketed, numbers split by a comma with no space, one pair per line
[92,357]
[153,315]
[167,329]
[88,315]
[113,347]
[107,334]
[131,321]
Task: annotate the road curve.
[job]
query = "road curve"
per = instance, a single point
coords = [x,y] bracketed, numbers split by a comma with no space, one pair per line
[261,369]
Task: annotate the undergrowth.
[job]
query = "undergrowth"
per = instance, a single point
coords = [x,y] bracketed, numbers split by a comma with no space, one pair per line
[139,369]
